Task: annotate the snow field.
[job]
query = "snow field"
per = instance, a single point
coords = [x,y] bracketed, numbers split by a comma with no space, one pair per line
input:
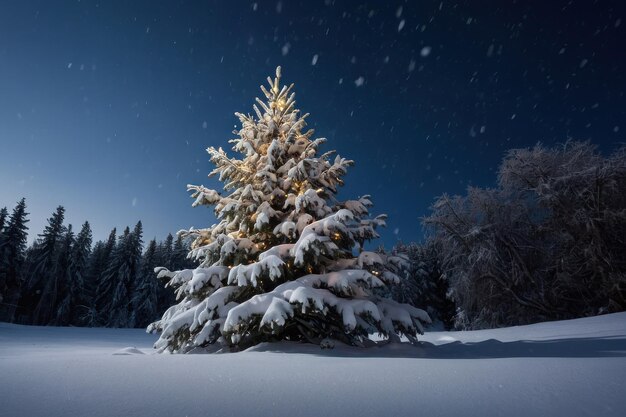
[569,368]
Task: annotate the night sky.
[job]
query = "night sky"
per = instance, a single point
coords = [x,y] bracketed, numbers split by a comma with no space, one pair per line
[107,107]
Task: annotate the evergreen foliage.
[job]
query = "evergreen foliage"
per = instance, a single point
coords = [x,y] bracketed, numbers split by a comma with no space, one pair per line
[13,235]
[144,301]
[423,282]
[60,280]
[281,262]
[164,256]
[98,261]
[62,309]
[44,274]
[73,307]
[3,216]
[118,280]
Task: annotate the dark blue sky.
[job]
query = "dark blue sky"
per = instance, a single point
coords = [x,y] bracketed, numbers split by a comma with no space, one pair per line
[107,107]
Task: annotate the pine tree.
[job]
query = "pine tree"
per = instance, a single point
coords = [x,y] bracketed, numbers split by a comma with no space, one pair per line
[179,255]
[114,296]
[134,266]
[73,307]
[165,251]
[422,281]
[42,292]
[12,255]
[3,216]
[107,282]
[61,311]
[98,262]
[281,262]
[144,299]
[165,254]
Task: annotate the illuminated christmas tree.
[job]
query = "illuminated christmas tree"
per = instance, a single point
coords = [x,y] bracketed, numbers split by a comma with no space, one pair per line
[286,259]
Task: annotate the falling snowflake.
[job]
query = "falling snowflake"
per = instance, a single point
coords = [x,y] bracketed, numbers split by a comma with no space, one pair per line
[285,48]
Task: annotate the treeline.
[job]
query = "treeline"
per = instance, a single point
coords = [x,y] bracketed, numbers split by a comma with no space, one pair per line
[547,243]
[63,279]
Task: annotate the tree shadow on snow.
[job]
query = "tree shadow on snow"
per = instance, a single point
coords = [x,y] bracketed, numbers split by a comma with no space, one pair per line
[591,347]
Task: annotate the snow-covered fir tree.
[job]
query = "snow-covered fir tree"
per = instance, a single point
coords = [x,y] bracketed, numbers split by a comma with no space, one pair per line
[285,261]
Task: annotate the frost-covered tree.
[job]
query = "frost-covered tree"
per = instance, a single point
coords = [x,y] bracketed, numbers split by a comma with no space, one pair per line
[546,244]
[144,298]
[13,236]
[285,260]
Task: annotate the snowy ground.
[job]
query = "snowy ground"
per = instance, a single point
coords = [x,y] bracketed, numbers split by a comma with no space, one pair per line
[570,368]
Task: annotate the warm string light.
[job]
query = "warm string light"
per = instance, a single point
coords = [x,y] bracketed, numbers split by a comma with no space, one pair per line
[263,148]
[281,104]
[299,187]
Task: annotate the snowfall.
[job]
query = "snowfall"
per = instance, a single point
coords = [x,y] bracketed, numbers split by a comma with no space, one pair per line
[567,368]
